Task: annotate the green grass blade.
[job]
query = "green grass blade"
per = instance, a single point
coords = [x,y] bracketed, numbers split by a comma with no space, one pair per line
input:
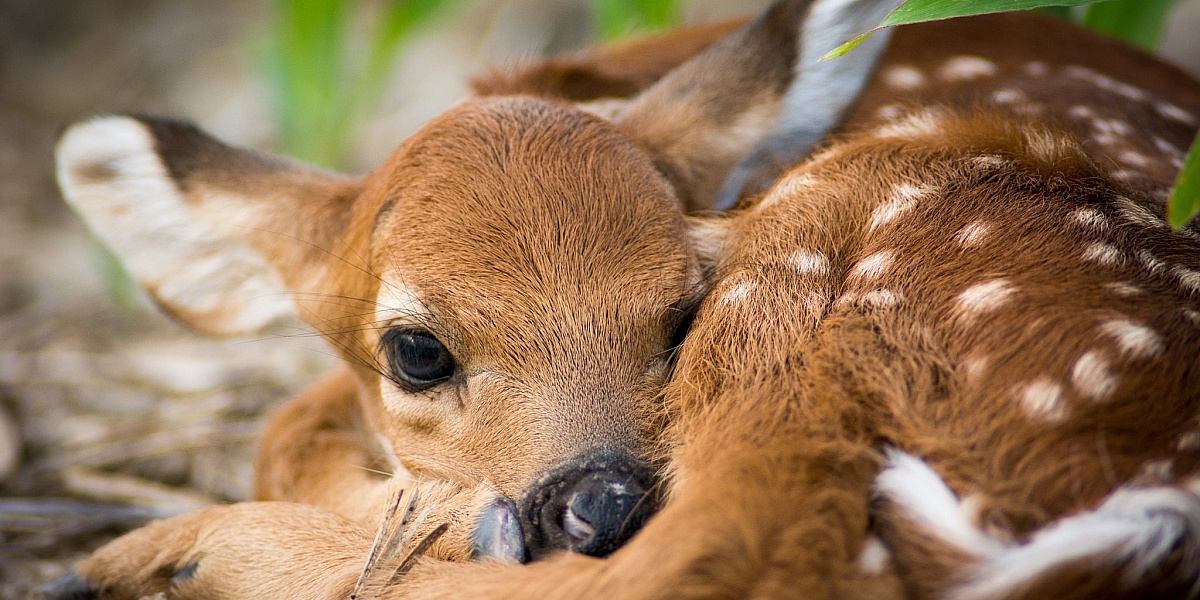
[614,19]
[399,21]
[1184,204]
[917,11]
[1138,22]
[310,38]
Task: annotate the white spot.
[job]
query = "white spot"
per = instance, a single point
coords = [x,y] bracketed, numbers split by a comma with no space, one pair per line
[904,77]
[1109,131]
[922,495]
[1105,83]
[965,68]
[904,198]
[1104,254]
[1043,399]
[991,161]
[789,187]
[1138,214]
[873,558]
[1124,289]
[1090,217]
[1112,127]
[1127,174]
[1159,471]
[809,262]
[1050,147]
[1136,159]
[1171,111]
[889,111]
[1009,96]
[1192,316]
[1188,278]
[1188,442]
[972,235]
[923,123]
[1092,377]
[1150,261]
[1036,68]
[1134,340]
[975,368]
[881,298]
[1079,111]
[1167,147]
[874,265]
[1137,528]
[985,297]
[739,293]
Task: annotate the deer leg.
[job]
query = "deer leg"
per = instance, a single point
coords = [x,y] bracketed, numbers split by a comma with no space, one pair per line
[247,550]
[315,450]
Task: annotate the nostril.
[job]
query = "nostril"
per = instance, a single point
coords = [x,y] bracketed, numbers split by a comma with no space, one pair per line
[579,529]
[590,505]
[602,514]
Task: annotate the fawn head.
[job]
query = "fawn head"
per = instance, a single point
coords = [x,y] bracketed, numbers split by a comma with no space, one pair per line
[508,285]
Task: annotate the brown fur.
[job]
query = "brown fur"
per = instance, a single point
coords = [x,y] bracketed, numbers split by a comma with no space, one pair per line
[794,377]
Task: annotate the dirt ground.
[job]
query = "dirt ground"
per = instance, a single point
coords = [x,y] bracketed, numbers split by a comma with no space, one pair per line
[109,413]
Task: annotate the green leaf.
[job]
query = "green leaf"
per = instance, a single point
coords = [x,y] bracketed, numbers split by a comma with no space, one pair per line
[617,18]
[919,11]
[1062,12]
[1138,22]
[1184,204]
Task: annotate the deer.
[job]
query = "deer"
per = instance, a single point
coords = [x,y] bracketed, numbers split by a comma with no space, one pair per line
[950,354]
[466,282]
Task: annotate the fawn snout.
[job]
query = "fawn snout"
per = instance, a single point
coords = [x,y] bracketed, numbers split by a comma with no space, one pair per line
[589,504]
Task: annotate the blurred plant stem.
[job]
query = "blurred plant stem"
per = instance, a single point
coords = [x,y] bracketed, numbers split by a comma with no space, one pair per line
[1137,22]
[614,19]
[322,88]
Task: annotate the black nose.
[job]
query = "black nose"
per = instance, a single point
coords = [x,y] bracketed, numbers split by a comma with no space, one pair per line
[591,504]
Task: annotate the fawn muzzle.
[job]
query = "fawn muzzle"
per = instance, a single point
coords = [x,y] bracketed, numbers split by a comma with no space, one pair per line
[591,504]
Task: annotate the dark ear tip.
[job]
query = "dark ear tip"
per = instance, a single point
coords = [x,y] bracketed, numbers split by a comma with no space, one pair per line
[70,587]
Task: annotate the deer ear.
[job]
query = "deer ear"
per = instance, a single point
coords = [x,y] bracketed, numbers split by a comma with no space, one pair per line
[218,237]
[760,97]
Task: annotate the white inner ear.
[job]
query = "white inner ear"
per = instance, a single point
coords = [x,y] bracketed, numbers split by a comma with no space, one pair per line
[824,89]
[202,269]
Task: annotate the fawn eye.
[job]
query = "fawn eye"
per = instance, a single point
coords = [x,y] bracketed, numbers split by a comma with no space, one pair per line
[417,358]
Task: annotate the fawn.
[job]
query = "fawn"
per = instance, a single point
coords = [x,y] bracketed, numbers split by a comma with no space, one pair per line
[953,354]
[505,291]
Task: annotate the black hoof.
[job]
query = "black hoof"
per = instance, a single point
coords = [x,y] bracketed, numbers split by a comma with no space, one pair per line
[184,574]
[70,587]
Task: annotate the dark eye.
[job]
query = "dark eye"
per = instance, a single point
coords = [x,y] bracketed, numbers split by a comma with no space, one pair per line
[417,358]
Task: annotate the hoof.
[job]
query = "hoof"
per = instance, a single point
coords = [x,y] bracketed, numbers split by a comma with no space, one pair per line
[70,587]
